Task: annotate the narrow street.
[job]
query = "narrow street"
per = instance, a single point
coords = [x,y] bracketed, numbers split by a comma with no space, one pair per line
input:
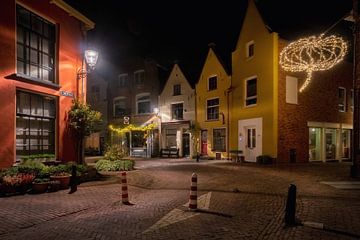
[239,201]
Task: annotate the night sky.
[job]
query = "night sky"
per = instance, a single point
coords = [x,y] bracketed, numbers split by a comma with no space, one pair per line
[181,30]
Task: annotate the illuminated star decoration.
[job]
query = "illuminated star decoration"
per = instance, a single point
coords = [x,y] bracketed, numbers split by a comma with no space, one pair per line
[312,54]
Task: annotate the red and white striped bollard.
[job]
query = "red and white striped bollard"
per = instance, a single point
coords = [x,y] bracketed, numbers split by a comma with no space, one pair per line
[124,189]
[193,193]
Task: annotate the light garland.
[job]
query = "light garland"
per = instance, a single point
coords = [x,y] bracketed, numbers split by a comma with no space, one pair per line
[132,127]
[312,54]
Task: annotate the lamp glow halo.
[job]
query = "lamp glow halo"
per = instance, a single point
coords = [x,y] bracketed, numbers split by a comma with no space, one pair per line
[312,54]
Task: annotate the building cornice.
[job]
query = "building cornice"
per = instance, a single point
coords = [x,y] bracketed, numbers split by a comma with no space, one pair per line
[74,13]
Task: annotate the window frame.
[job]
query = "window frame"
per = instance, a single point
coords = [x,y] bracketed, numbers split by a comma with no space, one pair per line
[248,44]
[124,83]
[114,111]
[342,106]
[223,137]
[213,106]
[246,98]
[172,111]
[177,91]
[140,101]
[28,47]
[136,80]
[208,82]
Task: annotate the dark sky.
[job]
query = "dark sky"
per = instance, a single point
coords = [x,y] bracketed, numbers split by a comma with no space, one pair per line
[181,30]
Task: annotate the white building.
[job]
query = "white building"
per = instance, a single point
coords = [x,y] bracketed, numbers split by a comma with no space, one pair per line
[177,112]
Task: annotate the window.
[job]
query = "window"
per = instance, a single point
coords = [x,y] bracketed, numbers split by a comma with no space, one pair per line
[139,77]
[251,92]
[352,100]
[119,104]
[219,136]
[35,46]
[123,80]
[291,90]
[35,124]
[250,49]
[342,99]
[213,109]
[95,92]
[170,138]
[138,139]
[177,111]
[177,89]
[143,103]
[212,83]
[251,138]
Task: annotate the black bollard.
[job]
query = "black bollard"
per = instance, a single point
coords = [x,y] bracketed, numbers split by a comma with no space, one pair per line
[73,180]
[290,206]
[197,157]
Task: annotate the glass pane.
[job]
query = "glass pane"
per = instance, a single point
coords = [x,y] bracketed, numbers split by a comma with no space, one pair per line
[45,60]
[36,105]
[34,57]
[37,24]
[20,67]
[253,138]
[330,141]
[45,75]
[45,46]
[23,16]
[346,140]
[34,41]
[49,107]
[20,52]
[20,35]
[23,103]
[34,71]
[251,88]
[144,107]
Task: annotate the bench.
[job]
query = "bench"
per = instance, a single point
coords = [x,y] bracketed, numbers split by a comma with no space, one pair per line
[237,155]
[169,152]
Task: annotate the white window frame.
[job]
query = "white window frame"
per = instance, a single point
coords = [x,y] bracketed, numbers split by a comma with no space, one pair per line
[208,82]
[136,73]
[248,44]
[245,92]
[121,76]
[115,99]
[206,105]
[137,102]
[343,105]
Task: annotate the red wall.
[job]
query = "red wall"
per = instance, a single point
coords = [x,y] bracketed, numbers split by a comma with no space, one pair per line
[70,37]
[317,103]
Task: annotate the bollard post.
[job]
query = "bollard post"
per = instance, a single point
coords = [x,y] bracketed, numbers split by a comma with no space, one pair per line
[124,190]
[73,180]
[197,157]
[291,206]
[193,193]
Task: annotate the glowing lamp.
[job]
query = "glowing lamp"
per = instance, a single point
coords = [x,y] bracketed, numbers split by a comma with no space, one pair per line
[91,58]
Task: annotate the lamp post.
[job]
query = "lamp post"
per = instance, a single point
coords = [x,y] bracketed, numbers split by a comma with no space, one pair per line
[91,57]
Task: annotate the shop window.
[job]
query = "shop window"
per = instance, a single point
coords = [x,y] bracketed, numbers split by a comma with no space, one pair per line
[330,143]
[171,138]
[219,140]
[346,143]
[314,144]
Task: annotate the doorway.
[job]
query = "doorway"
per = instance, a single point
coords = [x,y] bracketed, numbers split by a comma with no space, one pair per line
[186,144]
[204,142]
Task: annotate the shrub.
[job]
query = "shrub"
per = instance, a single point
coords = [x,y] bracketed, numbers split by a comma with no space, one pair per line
[19,183]
[114,152]
[118,165]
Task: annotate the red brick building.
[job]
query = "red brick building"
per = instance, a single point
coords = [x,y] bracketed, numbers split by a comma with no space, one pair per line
[41,50]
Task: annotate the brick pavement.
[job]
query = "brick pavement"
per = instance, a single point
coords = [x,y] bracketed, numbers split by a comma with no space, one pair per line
[94,212]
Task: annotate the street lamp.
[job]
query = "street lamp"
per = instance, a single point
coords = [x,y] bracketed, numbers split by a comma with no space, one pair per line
[91,57]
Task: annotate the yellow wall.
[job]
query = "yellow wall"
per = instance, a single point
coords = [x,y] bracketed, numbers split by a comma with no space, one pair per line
[263,65]
[212,66]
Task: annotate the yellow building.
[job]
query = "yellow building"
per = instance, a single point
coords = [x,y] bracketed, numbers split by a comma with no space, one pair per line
[254,88]
[212,106]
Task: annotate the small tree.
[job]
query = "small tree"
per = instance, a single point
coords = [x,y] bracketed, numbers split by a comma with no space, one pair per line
[82,121]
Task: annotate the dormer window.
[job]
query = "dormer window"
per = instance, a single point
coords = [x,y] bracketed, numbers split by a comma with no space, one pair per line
[250,48]
[177,89]
[212,84]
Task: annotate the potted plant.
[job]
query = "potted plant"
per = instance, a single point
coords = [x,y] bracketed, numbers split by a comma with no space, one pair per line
[63,178]
[40,185]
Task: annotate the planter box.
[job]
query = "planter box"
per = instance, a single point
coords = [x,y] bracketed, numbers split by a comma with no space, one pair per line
[64,181]
[40,187]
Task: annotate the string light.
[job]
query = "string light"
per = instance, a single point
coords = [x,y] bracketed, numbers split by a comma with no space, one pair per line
[312,54]
[132,127]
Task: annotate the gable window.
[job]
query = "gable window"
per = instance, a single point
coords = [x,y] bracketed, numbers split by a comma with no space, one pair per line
[35,43]
[250,48]
[35,124]
[123,80]
[177,111]
[342,99]
[212,109]
[177,89]
[143,103]
[212,83]
[251,92]
[219,136]
[352,100]
[139,77]
[119,106]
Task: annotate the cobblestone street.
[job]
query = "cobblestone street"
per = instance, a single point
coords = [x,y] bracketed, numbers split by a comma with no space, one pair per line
[244,201]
